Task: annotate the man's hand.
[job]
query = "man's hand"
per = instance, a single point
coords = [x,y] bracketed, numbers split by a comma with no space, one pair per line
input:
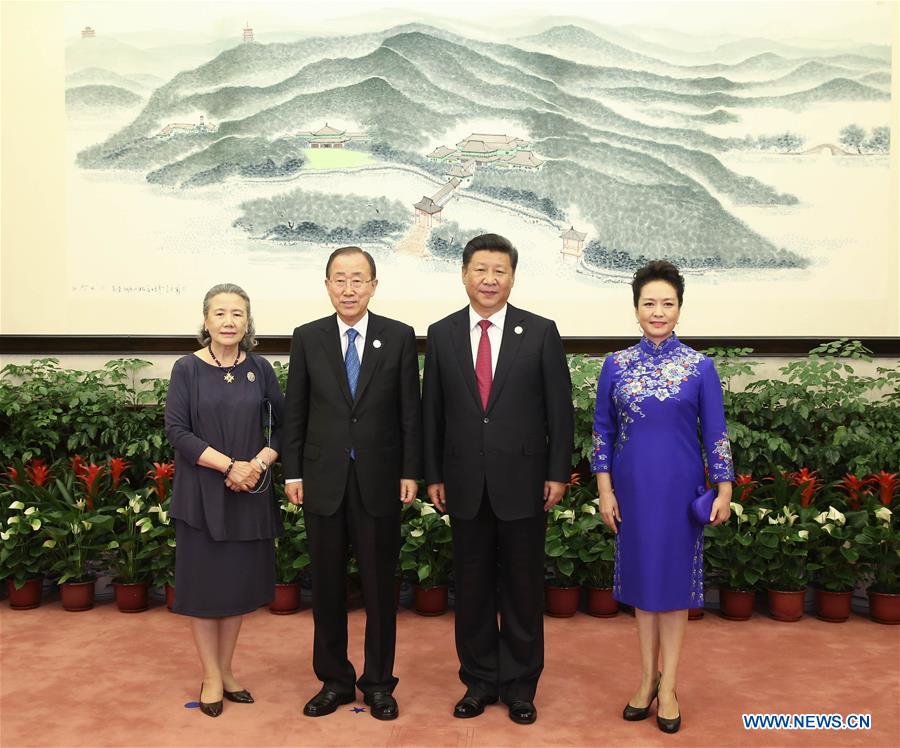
[437,496]
[294,491]
[408,490]
[553,493]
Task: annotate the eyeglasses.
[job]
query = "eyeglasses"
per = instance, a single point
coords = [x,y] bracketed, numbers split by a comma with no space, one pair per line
[354,283]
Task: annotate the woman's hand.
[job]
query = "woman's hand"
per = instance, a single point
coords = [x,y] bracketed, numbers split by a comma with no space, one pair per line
[243,476]
[609,510]
[721,508]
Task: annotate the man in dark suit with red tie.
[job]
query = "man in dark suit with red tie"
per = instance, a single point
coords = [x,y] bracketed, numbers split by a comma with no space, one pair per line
[351,452]
[497,403]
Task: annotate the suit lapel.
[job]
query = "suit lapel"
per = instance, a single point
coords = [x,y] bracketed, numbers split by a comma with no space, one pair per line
[509,349]
[462,345]
[372,356]
[331,346]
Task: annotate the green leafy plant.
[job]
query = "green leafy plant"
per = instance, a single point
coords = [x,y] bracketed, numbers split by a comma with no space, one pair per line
[584,371]
[427,549]
[783,544]
[834,547]
[23,555]
[880,549]
[292,548]
[729,549]
[138,533]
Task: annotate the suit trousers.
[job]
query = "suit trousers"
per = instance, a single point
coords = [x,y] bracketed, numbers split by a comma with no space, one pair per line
[498,566]
[376,543]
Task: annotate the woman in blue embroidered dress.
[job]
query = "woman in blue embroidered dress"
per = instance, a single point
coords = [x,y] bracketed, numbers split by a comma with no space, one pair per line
[649,467]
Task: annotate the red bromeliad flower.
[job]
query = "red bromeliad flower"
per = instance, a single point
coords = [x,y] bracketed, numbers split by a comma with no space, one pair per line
[117,466]
[38,472]
[855,488]
[89,476]
[747,484]
[12,473]
[810,483]
[888,485]
[77,463]
[161,474]
[574,480]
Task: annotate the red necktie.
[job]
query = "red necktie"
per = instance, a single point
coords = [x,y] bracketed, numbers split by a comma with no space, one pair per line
[483,374]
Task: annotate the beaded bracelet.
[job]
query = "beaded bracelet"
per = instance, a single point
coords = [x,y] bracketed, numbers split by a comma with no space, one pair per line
[228,469]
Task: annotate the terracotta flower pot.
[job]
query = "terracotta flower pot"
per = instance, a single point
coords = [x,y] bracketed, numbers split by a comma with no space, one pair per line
[736,605]
[786,605]
[170,596]
[833,606]
[77,596]
[695,614]
[884,607]
[561,602]
[131,597]
[286,600]
[601,603]
[431,602]
[26,597]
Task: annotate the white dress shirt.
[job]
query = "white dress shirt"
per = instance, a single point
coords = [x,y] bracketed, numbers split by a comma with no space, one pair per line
[495,334]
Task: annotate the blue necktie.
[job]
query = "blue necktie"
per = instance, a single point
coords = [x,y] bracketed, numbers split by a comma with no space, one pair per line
[351,361]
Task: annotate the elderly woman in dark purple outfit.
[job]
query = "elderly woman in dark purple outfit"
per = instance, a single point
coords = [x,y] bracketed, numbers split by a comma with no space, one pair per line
[649,466]
[222,419]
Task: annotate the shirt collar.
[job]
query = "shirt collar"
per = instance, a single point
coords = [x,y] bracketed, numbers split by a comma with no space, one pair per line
[669,344]
[361,327]
[497,318]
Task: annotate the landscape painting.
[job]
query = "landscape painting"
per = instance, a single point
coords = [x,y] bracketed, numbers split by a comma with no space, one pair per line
[754,153]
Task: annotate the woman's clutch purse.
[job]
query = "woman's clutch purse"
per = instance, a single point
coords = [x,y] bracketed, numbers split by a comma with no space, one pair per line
[701,507]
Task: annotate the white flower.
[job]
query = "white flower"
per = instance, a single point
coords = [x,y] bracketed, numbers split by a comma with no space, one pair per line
[828,527]
[426,509]
[588,509]
[846,544]
[445,518]
[12,520]
[820,518]
[737,509]
[789,515]
[164,515]
[803,534]
[4,535]
[884,514]
[49,544]
[17,505]
[86,524]
[80,504]
[763,512]
[30,510]
[35,524]
[779,520]
[566,514]
[416,533]
[839,519]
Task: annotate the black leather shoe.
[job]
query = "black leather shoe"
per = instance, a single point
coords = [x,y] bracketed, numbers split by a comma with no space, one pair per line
[210,709]
[669,725]
[326,701]
[522,712]
[239,697]
[383,705]
[471,706]
[637,713]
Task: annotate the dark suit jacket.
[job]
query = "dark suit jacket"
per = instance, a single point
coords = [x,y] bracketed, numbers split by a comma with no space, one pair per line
[382,425]
[523,438]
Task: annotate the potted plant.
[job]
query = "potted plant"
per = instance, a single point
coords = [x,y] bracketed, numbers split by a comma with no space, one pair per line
[880,542]
[835,550]
[23,555]
[563,540]
[137,534]
[427,554]
[783,544]
[75,533]
[598,563]
[291,557]
[162,562]
[732,560]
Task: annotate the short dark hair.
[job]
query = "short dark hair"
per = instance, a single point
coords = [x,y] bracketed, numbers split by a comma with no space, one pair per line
[661,270]
[492,243]
[349,251]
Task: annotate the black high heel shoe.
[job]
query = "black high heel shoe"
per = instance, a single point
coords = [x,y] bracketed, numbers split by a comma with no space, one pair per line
[669,725]
[212,708]
[239,697]
[637,713]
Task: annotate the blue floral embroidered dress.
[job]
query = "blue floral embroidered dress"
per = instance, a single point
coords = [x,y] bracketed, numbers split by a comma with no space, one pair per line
[649,401]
